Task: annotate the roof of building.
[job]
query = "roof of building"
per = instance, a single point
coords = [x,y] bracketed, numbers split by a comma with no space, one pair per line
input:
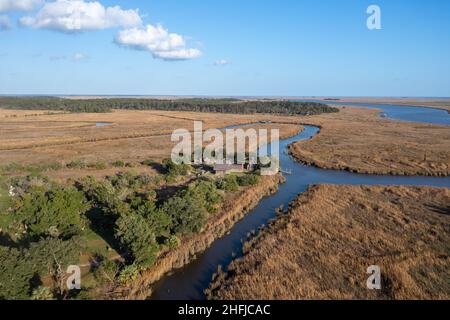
[225,167]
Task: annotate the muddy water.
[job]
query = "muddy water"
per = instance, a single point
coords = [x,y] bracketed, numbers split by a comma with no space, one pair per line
[189,282]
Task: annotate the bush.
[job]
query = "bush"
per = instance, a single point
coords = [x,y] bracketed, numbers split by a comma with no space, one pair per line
[119,164]
[148,162]
[42,293]
[172,242]
[106,271]
[77,164]
[100,165]
[228,183]
[176,170]
[129,274]
[248,180]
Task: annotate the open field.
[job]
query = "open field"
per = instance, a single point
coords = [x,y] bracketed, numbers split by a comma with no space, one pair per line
[356,139]
[32,137]
[322,247]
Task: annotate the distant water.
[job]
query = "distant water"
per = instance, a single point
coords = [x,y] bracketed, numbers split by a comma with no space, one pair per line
[399,112]
[103,124]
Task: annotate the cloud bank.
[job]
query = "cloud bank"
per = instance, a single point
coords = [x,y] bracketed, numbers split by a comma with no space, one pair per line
[19,5]
[78,16]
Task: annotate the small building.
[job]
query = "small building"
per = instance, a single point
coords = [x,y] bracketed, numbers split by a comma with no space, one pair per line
[224,169]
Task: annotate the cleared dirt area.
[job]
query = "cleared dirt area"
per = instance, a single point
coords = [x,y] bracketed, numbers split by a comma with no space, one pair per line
[321,248]
[357,139]
[34,137]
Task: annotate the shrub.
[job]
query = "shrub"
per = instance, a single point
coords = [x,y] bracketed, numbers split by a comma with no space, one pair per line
[129,274]
[77,164]
[119,164]
[148,162]
[106,271]
[42,293]
[99,165]
[172,242]
[248,180]
[228,183]
[176,170]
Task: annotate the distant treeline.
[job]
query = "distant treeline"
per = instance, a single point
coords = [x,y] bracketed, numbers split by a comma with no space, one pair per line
[196,105]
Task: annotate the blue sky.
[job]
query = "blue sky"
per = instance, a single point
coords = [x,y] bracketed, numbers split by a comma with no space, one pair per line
[233,47]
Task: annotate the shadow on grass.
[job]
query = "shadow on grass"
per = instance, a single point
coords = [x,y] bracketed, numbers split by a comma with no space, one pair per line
[104,225]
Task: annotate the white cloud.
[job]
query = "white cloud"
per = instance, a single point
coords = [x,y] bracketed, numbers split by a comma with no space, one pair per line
[158,41]
[5,23]
[79,57]
[221,62]
[79,16]
[19,5]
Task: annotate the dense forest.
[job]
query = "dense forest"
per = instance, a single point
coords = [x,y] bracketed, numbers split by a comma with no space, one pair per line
[197,105]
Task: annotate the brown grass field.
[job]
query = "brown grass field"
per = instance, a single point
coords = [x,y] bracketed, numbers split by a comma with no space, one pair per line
[356,139]
[321,248]
[34,137]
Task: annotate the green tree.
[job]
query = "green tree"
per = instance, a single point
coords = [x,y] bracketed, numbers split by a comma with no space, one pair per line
[58,212]
[206,193]
[186,213]
[15,274]
[248,180]
[137,236]
[157,219]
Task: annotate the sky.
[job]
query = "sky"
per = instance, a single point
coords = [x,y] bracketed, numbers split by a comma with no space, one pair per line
[224,48]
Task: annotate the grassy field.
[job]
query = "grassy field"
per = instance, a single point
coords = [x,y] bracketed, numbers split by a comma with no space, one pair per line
[356,139]
[31,138]
[330,235]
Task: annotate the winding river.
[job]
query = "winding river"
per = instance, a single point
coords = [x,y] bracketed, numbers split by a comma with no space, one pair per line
[189,282]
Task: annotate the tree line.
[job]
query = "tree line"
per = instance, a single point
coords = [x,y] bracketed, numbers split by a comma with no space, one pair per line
[234,106]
